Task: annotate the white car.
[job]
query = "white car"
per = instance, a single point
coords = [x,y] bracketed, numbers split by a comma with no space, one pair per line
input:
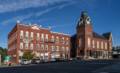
[25,62]
[35,61]
[53,60]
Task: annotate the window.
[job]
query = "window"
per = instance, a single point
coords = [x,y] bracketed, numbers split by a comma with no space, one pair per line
[89,43]
[62,40]
[21,45]
[42,37]
[37,46]
[38,36]
[42,46]
[27,34]
[46,47]
[80,42]
[31,35]
[93,43]
[26,46]
[53,39]
[53,48]
[105,45]
[31,46]
[57,39]
[110,46]
[97,44]
[67,49]
[57,47]
[67,41]
[21,34]
[46,37]
[101,45]
[63,49]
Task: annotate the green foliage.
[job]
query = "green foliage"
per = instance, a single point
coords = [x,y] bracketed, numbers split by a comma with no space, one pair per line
[3,53]
[28,55]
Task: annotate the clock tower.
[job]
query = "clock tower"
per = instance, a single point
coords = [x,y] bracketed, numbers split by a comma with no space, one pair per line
[84,34]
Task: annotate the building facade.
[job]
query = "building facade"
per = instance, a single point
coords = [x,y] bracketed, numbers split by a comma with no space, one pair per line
[44,43]
[89,44]
[47,45]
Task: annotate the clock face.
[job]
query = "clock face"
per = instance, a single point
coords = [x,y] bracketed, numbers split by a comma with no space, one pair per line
[81,22]
[88,20]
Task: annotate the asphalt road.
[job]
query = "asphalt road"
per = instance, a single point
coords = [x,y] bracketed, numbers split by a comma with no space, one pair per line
[61,67]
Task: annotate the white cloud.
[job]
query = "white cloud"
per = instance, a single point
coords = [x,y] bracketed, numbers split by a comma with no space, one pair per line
[14,5]
[67,4]
[35,14]
[23,17]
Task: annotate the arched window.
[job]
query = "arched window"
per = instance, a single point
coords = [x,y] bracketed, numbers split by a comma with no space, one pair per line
[105,45]
[80,42]
[89,42]
[93,43]
[97,44]
[101,45]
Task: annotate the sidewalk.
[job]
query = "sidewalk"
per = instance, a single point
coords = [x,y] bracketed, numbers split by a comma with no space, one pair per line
[109,69]
[4,65]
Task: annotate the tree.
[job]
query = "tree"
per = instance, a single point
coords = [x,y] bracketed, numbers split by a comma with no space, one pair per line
[3,53]
[28,55]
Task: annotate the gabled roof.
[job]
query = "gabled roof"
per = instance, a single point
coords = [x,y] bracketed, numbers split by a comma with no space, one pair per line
[103,36]
[96,35]
[107,35]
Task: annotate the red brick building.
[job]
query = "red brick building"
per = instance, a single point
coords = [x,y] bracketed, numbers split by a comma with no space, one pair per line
[47,45]
[44,43]
[87,44]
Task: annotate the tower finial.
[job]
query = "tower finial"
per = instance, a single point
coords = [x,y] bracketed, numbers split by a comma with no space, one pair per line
[18,21]
[84,14]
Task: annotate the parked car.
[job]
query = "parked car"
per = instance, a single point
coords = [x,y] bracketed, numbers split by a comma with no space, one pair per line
[36,61]
[25,62]
[53,60]
[46,60]
[60,60]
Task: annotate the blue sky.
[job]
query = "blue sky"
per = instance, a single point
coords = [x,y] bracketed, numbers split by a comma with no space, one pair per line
[61,15]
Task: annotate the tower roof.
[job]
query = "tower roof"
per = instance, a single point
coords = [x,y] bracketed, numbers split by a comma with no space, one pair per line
[84,14]
[84,19]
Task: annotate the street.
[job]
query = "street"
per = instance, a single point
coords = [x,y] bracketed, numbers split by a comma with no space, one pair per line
[62,67]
